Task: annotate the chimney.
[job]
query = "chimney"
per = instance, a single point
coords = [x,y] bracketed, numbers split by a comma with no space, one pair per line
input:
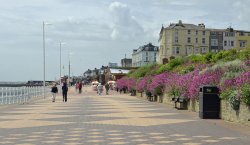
[201,25]
[180,22]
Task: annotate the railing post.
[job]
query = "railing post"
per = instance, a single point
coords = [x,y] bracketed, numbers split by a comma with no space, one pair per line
[9,95]
[14,95]
[2,96]
[6,95]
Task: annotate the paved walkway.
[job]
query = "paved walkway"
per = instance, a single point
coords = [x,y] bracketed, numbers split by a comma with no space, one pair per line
[111,119]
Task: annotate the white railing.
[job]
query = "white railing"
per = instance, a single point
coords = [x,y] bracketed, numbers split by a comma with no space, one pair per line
[17,95]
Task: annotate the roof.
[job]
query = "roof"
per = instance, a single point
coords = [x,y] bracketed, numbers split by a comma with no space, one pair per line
[181,25]
[118,71]
[147,47]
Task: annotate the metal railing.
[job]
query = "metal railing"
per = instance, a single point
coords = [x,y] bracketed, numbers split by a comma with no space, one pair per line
[17,95]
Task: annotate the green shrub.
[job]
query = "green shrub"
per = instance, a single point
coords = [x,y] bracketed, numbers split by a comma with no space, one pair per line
[229,55]
[141,72]
[185,69]
[196,58]
[244,54]
[234,100]
[171,65]
[245,93]
[226,94]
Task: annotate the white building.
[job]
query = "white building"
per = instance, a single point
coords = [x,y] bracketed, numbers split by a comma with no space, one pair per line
[147,54]
[229,39]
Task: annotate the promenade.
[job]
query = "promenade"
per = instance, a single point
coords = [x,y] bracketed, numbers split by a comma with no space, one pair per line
[114,119]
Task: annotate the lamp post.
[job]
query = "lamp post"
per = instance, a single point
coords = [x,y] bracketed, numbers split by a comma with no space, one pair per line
[44,57]
[61,43]
[69,53]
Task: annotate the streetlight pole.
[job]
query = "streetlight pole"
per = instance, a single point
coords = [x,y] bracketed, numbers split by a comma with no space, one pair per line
[44,58]
[69,68]
[60,62]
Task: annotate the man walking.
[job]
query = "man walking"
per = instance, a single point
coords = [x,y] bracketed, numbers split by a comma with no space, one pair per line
[54,90]
[64,92]
[107,88]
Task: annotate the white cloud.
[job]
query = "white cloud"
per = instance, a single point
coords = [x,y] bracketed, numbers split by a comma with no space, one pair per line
[125,26]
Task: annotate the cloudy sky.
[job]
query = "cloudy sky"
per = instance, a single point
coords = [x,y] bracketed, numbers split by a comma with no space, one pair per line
[96,32]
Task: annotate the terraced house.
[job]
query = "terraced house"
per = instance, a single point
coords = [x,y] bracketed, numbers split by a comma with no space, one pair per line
[242,39]
[181,39]
[229,39]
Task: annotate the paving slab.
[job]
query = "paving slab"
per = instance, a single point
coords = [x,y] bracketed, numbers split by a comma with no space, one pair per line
[113,119]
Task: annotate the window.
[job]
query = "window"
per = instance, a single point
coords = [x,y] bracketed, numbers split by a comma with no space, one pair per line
[203,40]
[176,39]
[232,43]
[214,42]
[203,32]
[242,43]
[188,40]
[225,43]
[146,59]
[177,50]
[196,40]
[203,50]
[241,33]
[213,33]
[188,50]
[248,34]
[196,32]
[189,31]
[226,33]
[176,32]
[197,50]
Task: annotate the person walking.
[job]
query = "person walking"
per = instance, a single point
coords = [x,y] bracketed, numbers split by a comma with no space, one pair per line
[99,88]
[77,86]
[107,88]
[54,90]
[64,92]
[80,87]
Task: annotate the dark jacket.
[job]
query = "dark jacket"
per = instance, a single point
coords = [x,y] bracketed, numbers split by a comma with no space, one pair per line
[64,88]
[54,89]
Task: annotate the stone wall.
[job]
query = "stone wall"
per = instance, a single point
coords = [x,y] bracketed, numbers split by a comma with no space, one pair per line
[227,113]
[241,116]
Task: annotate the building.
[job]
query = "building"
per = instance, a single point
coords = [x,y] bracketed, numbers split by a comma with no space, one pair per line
[229,39]
[112,64]
[115,74]
[216,40]
[144,55]
[126,62]
[242,39]
[181,39]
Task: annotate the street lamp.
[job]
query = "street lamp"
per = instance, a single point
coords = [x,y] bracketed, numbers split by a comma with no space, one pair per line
[70,53]
[44,57]
[61,43]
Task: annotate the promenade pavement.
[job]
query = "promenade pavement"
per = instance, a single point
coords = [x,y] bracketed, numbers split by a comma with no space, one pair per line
[114,119]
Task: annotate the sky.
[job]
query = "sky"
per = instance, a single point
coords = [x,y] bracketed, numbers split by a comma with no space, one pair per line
[96,32]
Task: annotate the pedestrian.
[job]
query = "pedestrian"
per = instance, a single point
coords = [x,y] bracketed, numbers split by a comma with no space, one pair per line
[99,88]
[77,86]
[54,90]
[80,87]
[107,88]
[64,92]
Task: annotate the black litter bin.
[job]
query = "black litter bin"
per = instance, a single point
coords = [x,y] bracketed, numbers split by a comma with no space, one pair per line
[209,102]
